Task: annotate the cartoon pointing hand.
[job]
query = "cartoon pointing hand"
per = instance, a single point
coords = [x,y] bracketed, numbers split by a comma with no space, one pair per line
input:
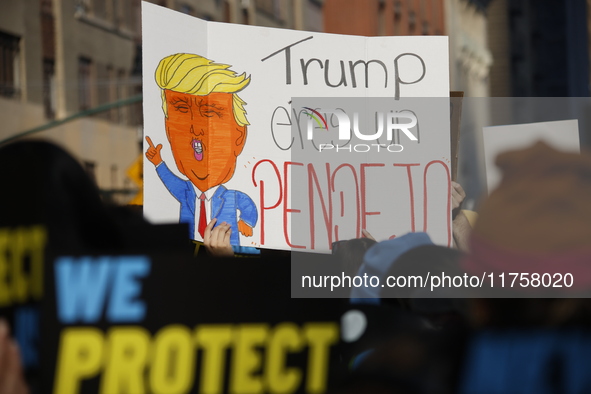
[153,153]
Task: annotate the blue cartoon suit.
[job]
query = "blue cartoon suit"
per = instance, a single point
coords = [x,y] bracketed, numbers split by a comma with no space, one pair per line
[224,205]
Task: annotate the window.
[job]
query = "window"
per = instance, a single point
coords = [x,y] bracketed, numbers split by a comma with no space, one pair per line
[245,5]
[90,168]
[227,13]
[397,18]
[49,88]
[112,12]
[397,11]
[381,19]
[9,64]
[271,7]
[126,15]
[245,17]
[121,89]
[186,9]
[135,110]
[47,7]
[412,20]
[47,30]
[99,9]
[266,6]
[135,18]
[84,83]
[106,91]
[112,92]
[114,171]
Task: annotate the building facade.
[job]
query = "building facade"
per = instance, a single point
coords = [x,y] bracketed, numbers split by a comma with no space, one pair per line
[70,56]
[63,58]
[469,55]
[541,48]
[384,17]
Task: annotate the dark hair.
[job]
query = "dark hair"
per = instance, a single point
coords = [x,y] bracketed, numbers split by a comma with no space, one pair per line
[349,253]
[421,262]
[43,184]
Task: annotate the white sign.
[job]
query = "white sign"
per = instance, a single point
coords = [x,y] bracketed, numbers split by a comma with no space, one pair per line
[218,117]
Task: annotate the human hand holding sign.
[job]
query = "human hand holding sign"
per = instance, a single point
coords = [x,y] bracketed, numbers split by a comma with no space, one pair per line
[366,234]
[11,371]
[457,194]
[461,225]
[244,228]
[217,240]
[153,153]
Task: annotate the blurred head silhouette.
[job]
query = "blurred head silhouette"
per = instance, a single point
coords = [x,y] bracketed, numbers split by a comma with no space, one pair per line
[43,184]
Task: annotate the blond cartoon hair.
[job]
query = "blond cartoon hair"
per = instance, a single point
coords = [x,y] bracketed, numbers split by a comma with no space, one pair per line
[194,74]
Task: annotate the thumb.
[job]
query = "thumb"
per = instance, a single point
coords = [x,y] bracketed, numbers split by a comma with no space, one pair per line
[159,148]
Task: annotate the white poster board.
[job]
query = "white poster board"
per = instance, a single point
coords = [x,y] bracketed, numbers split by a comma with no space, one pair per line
[283,64]
[561,135]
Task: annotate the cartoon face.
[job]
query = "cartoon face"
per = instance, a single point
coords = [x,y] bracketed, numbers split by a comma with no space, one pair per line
[204,136]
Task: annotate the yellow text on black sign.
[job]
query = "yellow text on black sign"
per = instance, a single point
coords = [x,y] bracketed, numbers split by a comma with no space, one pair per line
[253,358]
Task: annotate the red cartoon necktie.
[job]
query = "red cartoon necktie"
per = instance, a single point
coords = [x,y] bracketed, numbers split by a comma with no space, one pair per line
[202,218]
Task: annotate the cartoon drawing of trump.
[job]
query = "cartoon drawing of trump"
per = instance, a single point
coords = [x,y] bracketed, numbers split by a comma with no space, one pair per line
[206,127]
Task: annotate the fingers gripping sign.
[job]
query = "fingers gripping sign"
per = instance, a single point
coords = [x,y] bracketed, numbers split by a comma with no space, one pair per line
[11,371]
[217,239]
[367,234]
[458,195]
[153,153]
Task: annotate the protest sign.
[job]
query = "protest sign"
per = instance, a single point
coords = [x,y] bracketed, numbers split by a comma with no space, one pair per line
[163,324]
[221,129]
[561,135]
[22,261]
